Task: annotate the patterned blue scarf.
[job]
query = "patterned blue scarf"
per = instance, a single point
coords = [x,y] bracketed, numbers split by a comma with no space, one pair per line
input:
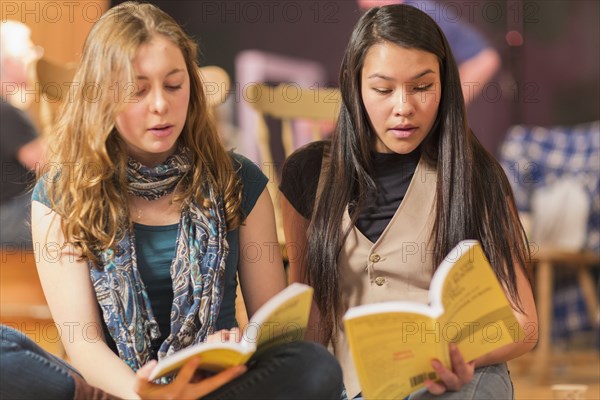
[197,271]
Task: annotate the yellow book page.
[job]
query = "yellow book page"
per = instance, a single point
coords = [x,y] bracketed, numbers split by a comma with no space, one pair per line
[286,322]
[477,315]
[220,359]
[214,357]
[392,352]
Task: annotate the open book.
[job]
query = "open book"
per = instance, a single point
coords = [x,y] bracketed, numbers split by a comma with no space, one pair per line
[281,319]
[392,344]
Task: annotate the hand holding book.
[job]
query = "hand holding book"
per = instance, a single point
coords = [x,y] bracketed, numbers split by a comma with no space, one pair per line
[393,344]
[186,384]
[281,319]
[451,379]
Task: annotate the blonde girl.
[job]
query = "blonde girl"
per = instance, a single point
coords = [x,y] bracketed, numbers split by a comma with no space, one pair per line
[150,217]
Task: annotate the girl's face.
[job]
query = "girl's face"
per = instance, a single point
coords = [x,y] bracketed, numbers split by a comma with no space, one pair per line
[401,92]
[154,118]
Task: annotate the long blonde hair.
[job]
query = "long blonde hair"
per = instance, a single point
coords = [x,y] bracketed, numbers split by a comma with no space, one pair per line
[88,187]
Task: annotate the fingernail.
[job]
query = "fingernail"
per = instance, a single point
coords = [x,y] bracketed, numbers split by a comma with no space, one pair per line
[436,364]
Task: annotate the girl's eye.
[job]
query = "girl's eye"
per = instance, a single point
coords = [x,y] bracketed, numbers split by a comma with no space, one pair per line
[422,88]
[382,91]
[140,91]
[173,87]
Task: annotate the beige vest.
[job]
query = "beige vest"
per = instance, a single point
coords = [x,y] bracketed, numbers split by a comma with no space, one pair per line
[396,267]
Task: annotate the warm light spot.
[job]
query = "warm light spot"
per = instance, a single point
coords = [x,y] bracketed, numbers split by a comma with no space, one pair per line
[514,38]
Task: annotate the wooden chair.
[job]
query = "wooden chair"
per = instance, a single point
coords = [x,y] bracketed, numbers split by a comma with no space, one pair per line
[289,103]
[54,82]
[216,84]
[545,261]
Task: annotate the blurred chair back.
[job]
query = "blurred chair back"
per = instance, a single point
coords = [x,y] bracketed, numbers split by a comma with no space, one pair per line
[290,104]
[54,82]
[216,84]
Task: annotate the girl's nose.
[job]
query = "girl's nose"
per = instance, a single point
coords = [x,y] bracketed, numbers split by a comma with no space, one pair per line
[404,105]
[158,103]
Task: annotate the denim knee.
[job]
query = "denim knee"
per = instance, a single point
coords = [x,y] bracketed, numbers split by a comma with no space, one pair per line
[320,371]
[491,382]
[27,371]
[11,335]
[298,370]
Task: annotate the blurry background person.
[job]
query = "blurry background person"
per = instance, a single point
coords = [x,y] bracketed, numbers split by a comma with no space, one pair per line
[21,149]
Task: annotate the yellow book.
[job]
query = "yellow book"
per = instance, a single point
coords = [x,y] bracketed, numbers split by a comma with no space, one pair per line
[392,343]
[281,319]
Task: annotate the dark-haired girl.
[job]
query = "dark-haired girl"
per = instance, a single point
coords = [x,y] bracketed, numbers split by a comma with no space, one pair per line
[370,215]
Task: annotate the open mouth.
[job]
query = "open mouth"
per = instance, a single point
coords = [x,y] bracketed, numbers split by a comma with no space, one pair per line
[161,130]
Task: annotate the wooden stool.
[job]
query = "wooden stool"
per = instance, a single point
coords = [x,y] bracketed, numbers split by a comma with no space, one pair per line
[545,261]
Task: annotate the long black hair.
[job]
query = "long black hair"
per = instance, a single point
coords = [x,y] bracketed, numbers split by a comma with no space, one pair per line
[473,196]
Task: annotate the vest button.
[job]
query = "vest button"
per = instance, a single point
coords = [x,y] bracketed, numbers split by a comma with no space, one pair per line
[380,280]
[375,258]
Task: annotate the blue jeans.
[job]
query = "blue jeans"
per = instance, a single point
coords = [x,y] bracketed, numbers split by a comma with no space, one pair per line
[29,372]
[299,370]
[491,382]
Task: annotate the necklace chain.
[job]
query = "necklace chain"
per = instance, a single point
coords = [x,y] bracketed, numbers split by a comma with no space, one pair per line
[139,212]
